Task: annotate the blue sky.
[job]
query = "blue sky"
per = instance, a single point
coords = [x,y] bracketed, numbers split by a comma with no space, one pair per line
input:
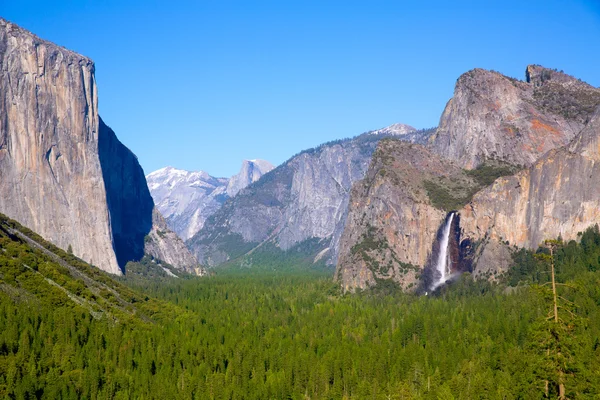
[206,84]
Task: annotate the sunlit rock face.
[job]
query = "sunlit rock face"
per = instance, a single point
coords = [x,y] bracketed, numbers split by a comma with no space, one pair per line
[492,116]
[392,226]
[546,124]
[250,172]
[63,172]
[50,174]
[559,195]
[187,198]
[304,200]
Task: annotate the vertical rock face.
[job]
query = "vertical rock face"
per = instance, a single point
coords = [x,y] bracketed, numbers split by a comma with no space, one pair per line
[492,116]
[165,245]
[250,172]
[547,123]
[138,228]
[559,195]
[303,200]
[128,197]
[63,172]
[50,173]
[392,224]
[186,199]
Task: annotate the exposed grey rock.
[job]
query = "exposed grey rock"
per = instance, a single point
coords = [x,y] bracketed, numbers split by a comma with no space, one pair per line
[557,196]
[165,245]
[250,172]
[392,224]
[305,198]
[187,198]
[129,200]
[63,172]
[50,173]
[394,130]
[546,123]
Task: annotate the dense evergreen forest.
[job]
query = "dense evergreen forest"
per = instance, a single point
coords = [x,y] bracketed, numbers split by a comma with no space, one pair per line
[70,331]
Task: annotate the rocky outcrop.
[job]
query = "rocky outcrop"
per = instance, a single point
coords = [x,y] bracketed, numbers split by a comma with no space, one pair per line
[303,200]
[250,172]
[50,174]
[492,116]
[392,223]
[186,199]
[559,195]
[63,172]
[165,245]
[546,123]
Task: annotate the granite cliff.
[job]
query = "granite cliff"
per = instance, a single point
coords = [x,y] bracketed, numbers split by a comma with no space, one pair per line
[301,204]
[492,116]
[186,199]
[63,172]
[545,125]
[558,196]
[394,216]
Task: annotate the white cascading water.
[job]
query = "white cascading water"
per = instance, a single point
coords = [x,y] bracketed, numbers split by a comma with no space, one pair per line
[441,267]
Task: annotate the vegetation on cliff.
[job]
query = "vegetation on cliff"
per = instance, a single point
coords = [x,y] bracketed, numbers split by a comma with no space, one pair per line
[451,194]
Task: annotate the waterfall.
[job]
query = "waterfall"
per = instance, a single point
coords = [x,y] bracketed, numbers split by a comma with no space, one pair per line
[442,266]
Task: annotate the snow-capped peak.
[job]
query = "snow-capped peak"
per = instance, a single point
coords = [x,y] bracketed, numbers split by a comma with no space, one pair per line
[395,129]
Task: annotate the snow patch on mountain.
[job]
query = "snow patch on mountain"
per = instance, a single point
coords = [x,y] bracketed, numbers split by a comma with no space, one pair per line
[187,198]
[394,130]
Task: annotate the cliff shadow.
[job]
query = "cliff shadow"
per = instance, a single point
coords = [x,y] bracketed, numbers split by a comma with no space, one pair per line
[129,202]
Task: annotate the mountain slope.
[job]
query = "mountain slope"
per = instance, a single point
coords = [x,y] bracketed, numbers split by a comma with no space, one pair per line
[554,196]
[304,199]
[559,195]
[63,172]
[35,270]
[395,215]
[492,116]
[250,172]
[187,198]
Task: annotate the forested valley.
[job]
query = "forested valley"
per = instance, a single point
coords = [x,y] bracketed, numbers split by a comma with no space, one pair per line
[68,330]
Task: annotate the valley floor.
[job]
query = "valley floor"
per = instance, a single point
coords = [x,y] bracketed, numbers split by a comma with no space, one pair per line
[293,335]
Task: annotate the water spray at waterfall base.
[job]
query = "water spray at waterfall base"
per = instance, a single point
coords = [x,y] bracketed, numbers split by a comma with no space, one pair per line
[443,265]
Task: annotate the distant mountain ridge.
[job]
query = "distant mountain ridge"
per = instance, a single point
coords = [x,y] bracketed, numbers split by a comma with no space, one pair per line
[301,204]
[187,198]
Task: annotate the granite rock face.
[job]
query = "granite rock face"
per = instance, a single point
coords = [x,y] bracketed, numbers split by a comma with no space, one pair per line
[50,174]
[250,172]
[550,124]
[392,225]
[186,199]
[304,199]
[63,172]
[492,116]
[165,245]
[559,195]
[127,195]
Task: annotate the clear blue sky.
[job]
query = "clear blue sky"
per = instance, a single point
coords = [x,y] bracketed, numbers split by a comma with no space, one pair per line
[206,84]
